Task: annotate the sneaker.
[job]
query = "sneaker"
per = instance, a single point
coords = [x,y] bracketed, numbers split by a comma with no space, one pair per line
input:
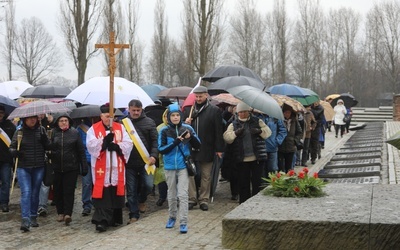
[142,207]
[170,223]
[204,207]
[5,208]
[160,202]
[132,220]
[86,211]
[42,211]
[67,220]
[183,228]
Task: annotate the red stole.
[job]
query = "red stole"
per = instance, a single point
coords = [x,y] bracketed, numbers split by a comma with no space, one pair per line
[101,164]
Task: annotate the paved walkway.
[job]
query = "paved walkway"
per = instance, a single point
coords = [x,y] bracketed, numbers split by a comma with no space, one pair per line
[205,228]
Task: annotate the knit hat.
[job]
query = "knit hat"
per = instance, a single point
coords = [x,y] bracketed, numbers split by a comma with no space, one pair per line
[242,107]
[340,101]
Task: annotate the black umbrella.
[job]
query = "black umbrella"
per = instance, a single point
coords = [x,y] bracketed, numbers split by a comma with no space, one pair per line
[229,70]
[348,99]
[90,111]
[215,176]
[222,85]
[46,91]
[8,104]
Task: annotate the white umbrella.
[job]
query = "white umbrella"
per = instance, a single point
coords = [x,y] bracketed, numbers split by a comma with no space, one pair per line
[96,91]
[13,89]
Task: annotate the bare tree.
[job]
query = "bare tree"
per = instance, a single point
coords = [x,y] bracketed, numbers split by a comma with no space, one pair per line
[9,37]
[160,42]
[36,53]
[384,30]
[135,53]
[202,32]
[246,36]
[78,23]
[307,42]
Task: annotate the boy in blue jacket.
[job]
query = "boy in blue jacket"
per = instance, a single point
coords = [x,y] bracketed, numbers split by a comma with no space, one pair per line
[174,143]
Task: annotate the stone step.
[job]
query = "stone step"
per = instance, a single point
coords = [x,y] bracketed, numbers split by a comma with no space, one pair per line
[350,172]
[353,163]
[365,155]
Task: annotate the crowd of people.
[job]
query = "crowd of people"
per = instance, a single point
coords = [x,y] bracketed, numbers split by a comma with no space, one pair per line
[118,160]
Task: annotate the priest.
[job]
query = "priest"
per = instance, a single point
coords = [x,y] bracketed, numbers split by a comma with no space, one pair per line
[109,146]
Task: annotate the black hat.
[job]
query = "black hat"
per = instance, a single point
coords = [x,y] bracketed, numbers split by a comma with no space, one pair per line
[105,108]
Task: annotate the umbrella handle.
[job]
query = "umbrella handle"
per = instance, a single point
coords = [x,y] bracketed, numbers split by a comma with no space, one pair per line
[191,111]
[19,139]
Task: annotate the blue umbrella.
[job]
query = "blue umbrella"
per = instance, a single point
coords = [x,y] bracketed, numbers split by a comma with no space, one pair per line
[152,90]
[303,95]
[8,104]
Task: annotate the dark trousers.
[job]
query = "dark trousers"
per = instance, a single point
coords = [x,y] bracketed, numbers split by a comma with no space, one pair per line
[314,143]
[64,191]
[304,156]
[249,173]
[285,161]
[341,127]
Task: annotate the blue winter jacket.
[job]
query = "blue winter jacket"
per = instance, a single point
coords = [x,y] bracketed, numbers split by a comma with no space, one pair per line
[279,133]
[168,144]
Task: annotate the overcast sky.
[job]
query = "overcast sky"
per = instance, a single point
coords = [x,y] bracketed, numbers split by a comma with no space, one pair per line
[47,11]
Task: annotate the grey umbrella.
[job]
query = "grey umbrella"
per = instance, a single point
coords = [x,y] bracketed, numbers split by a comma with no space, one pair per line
[222,85]
[46,91]
[229,70]
[258,99]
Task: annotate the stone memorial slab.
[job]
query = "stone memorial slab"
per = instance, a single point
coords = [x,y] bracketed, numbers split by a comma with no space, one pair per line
[362,145]
[368,139]
[359,180]
[366,155]
[353,163]
[358,150]
[350,172]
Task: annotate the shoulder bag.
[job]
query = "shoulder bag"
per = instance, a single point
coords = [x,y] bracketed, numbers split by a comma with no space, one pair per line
[190,166]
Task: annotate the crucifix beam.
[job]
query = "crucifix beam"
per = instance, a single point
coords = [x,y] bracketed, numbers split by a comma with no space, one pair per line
[111,50]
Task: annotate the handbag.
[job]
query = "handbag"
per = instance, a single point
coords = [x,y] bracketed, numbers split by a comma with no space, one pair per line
[299,144]
[346,118]
[190,165]
[48,178]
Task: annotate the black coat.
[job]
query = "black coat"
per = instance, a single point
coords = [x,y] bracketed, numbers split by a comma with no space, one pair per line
[208,125]
[67,150]
[147,130]
[9,128]
[33,144]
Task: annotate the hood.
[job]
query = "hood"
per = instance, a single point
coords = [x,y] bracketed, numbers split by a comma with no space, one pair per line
[62,115]
[172,108]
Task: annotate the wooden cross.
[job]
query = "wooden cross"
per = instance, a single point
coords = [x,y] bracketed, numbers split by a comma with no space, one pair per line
[111,52]
[100,171]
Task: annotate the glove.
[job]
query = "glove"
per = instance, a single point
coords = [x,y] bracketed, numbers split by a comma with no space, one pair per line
[255,131]
[239,131]
[115,147]
[107,140]
[20,154]
[84,170]
[177,141]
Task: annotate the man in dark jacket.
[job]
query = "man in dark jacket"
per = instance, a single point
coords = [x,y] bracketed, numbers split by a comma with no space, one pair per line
[207,122]
[7,129]
[139,180]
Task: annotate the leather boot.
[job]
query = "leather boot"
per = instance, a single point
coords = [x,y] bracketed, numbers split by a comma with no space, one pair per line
[25,224]
[34,221]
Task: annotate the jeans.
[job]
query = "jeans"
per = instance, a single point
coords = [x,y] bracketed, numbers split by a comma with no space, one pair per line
[30,180]
[271,164]
[5,177]
[43,196]
[87,189]
[138,185]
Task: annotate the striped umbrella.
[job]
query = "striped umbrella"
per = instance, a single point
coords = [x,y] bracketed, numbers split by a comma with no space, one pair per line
[38,108]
